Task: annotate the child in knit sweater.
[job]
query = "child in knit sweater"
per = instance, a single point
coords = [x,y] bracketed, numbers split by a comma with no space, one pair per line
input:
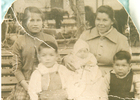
[121,83]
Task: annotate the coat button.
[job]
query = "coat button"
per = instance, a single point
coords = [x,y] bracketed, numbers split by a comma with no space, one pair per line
[101,45]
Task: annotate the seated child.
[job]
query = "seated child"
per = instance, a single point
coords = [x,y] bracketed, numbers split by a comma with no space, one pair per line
[85,81]
[121,83]
[48,81]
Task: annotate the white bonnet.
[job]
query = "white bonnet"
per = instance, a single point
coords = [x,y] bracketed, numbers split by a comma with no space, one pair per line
[80,44]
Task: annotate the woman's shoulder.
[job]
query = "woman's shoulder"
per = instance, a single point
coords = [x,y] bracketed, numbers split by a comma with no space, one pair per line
[49,37]
[120,35]
[84,34]
[46,34]
[19,40]
[88,34]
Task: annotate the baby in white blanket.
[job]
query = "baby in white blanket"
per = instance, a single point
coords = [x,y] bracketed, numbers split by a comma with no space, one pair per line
[87,74]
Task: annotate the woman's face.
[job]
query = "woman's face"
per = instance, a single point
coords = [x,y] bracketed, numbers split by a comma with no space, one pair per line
[103,22]
[34,23]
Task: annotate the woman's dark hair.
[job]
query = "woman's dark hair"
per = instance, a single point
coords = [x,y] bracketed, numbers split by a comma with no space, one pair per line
[90,16]
[26,14]
[48,44]
[106,9]
[109,11]
[121,55]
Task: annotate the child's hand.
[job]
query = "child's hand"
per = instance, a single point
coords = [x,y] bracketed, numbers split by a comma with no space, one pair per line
[24,84]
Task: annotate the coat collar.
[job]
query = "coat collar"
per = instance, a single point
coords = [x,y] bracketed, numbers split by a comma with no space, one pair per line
[112,36]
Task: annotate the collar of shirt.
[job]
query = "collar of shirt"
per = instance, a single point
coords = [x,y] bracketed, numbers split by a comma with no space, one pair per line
[35,36]
[120,76]
[44,70]
[109,35]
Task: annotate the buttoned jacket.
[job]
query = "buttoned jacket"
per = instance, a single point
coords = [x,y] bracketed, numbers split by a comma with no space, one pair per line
[105,47]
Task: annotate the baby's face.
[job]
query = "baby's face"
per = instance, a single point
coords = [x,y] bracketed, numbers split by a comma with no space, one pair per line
[121,67]
[82,53]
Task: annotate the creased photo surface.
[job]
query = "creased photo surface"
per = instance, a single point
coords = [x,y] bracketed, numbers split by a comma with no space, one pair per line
[69,50]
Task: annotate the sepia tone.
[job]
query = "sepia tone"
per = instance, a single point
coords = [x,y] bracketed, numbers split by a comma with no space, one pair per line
[65,20]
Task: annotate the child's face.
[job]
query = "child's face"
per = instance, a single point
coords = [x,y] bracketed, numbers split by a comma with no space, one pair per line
[48,57]
[82,53]
[121,67]
[34,23]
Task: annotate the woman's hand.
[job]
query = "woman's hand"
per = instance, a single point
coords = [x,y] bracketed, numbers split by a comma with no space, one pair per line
[24,84]
[69,62]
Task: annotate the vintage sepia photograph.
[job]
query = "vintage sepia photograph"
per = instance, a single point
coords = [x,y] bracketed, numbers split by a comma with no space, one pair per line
[69,50]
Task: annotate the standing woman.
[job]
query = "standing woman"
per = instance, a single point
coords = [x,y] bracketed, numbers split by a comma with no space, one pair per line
[104,40]
[25,50]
